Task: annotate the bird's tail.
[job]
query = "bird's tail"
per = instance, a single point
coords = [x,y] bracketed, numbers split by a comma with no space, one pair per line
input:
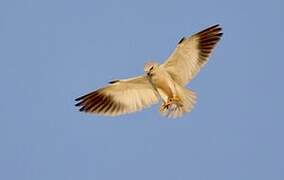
[179,105]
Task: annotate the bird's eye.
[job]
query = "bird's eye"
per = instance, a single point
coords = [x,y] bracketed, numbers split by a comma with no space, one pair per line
[151,68]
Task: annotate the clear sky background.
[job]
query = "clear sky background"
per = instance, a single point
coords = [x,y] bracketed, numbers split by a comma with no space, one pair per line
[54,51]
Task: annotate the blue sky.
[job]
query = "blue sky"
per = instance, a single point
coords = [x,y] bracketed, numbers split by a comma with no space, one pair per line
[54,51]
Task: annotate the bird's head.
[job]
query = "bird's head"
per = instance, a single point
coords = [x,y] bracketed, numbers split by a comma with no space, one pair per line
[149,67]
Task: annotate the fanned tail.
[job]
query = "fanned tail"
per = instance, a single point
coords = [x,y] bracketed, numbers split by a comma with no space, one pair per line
[179,105]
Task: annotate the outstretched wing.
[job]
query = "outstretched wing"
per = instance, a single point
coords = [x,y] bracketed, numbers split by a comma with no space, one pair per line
[120,97]
[191,54]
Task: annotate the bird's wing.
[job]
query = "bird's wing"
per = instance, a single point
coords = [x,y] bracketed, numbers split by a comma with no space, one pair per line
[120,97]
[191,54]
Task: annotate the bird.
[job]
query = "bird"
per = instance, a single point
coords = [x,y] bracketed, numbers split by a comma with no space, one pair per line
[165,83]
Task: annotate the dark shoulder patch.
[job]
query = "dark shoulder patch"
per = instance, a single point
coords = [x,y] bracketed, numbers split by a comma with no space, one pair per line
[181,40]
[114,81]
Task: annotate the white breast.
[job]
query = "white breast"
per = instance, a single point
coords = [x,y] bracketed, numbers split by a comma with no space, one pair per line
[163,83]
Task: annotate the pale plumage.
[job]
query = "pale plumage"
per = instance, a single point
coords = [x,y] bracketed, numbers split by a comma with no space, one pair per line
[120,97]
[191,54]
[166,81]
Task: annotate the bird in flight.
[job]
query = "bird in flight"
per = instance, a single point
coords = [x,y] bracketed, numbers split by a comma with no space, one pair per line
[161,82]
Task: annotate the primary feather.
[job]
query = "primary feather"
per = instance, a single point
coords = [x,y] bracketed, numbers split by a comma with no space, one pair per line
[191,54]
[120,97]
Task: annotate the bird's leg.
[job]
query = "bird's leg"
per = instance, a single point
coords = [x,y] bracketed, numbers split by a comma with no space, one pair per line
[173,100]
[165,106]
[176,100]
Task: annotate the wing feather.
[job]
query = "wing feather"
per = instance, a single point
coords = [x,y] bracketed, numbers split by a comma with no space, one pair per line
[191,54]
[120,97]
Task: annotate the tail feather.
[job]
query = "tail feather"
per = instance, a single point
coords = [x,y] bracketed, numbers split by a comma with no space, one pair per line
[187,99]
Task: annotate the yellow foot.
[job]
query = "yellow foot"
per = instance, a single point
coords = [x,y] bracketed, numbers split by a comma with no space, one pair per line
[174,100]
[165,106]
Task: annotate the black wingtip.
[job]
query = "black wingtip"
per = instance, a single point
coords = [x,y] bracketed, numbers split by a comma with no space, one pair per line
[82,97]
[78,104]
[214,26]
[217,26]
